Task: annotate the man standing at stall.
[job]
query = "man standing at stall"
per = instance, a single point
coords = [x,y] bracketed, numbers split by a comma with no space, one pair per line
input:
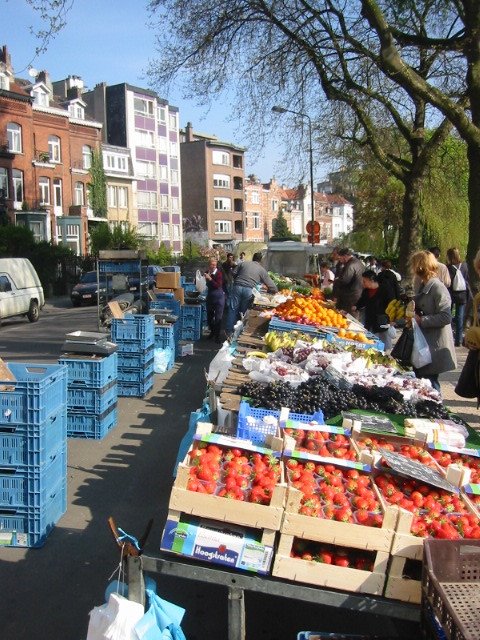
[348,285]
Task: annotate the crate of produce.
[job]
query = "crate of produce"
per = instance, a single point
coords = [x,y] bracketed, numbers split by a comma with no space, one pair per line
[134,327]
[190,334]
[38,391]
[165,335]
[90,371]
[135,359]
[91,401]
[451,585]
[252,426]
[136,374]
[32,487]
[404,580]
[248,505]
[126,266]
[91,426]
[30,526]
[331,566]
[26,446]
[135,389]
[162,302]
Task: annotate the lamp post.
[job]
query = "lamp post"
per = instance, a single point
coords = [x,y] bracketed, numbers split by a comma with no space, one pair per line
[278,109]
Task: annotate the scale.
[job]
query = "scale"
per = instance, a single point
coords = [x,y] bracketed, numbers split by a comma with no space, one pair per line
[88,342]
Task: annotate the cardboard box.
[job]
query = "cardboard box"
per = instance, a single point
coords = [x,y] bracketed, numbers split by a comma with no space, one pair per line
[178,293]
[167,280]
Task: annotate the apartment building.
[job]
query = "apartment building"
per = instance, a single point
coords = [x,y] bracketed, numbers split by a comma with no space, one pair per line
[121,186]
[138,119]
[256,225]
[46,146]
[213,179]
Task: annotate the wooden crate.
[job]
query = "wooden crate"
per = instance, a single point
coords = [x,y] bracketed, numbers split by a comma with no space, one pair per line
[338,533]
[400,587]
[327,575]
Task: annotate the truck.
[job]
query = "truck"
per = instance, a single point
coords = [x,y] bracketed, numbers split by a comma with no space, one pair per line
[21,292]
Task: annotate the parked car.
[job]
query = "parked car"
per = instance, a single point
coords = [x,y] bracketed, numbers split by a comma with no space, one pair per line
[21,292]
[86,290]
[153,269]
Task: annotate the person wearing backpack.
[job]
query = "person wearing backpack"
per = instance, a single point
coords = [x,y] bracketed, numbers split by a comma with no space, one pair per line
[459,291]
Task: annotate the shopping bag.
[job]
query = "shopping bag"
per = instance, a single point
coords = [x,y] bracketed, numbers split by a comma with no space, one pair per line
[421,355]
[402,351]
[200,281]
[115,620]
[468,385]
[161,620]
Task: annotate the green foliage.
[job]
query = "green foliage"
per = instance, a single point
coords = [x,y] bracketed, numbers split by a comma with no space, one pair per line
[280,229]
[46,257]
[162,256]
[103,237]
[15,241]
[191,250]
[98,186]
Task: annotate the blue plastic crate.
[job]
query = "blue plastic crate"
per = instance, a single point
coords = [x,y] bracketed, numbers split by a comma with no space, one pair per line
[91,426]
[170,304]
[38,391]
[91,371]
[97,401]
[183,280]
[134,327]
[22,446]
[33,486]
[135,359]
[191,311]
[135,389]
[165,335]
[30,526]
[258,433]
[376,344]
[191,334]
[189,286]
[137,374]
[283,325]
[124,266]
[192,323]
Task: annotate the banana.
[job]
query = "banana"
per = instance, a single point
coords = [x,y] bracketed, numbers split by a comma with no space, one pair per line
[256,354]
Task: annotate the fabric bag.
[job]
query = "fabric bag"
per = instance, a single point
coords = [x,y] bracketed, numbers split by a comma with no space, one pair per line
[458,283]
[200,281]
[402,351]
[472,334]
[421,355]
[161,620]
[468,385]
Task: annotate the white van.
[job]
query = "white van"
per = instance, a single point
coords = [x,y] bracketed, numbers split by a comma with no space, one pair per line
[21,292]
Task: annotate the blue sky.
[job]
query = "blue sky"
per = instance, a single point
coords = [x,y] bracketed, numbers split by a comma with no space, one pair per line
[109,41]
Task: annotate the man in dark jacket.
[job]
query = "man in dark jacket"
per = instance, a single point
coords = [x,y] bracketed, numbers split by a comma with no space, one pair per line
[348,285]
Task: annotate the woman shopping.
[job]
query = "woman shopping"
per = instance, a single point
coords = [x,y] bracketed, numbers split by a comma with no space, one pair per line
[215,298]
[459,291]
[433,315]
[374,300]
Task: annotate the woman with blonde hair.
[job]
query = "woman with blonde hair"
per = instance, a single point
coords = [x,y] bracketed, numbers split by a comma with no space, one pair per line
[433,315]
[459,291]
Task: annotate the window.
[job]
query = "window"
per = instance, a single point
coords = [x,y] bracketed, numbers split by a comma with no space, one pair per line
[162,114]
[123,197]
[163,173]
[223,226]
[175,204]
[4,82]
[3,183]
[44,185]
[222,204]
[147,229]
[176,231]
[173,149]
[163,202]
[220,157]
[274,205]
[147,199]
[14,136]
[17,178]
[54,149]
[174,176]
[255,221]
[165,230]
[36,229]
[79,194]
[86,156]
[237,162]
[144,138]
[172,121]
[76,111]
[41,98]
[111,196]
[143,107]
[57,193]
[255,197]
[162,145]
[146,169]
[221,180]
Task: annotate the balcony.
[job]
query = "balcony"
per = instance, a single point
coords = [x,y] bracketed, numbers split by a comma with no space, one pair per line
[238,205]
[237,162]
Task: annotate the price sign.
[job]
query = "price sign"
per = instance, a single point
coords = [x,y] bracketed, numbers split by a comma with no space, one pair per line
[412,469]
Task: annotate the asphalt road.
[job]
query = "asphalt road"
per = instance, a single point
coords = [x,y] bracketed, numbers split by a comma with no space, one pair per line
[48,592]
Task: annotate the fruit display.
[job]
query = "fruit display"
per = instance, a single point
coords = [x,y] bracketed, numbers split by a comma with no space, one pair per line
[275,340]
[437,513]
[395,310]
[356,336]
[412,451]
[322,443]
[308,310]
[331,554]
[332,493]
[233,473]
[446,458]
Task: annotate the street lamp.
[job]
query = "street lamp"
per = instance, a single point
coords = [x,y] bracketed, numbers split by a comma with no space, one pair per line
[278,109]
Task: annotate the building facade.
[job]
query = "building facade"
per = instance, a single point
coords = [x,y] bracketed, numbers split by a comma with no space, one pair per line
[213,179]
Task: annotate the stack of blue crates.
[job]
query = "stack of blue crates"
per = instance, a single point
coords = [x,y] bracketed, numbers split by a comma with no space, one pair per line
[91,395]
[134,336]
[191,319]
[33,453]
[165,301]
[166,338]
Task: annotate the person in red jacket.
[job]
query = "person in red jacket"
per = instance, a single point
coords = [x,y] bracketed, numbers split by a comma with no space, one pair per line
[215,298]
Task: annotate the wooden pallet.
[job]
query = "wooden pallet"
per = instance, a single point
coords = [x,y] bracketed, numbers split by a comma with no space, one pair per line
[230,401]
[338,533]
[325,575]
[400,587]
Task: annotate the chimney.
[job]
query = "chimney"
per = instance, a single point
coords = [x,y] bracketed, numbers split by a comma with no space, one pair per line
[44,77]
[6,58]
[189,132]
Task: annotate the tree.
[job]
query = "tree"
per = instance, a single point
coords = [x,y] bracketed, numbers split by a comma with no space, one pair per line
[98,186]
[103,237]
[280,228]
[15,241]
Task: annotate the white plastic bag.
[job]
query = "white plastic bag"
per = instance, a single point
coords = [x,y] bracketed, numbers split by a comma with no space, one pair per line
[161,359]
[115,620]
[200,281]
[421,355]
[219,366]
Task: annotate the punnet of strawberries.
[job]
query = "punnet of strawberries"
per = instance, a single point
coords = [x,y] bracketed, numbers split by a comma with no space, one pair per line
[412,451]
[344,495]
[233,473]
[322,443]
[437,513]
[331,554]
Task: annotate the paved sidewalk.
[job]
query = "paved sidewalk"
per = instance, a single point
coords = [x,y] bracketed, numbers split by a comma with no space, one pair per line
[465,407]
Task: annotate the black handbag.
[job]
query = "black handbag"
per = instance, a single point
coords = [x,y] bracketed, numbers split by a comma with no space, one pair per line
[382,322]
[468,382]
[402,351]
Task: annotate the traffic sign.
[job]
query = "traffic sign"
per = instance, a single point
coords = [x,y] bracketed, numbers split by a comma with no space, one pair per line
[313,226]
[314,238]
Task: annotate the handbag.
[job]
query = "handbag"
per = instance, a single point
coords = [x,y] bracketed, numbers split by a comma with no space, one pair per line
[421,355]
[402,351]
[382,322]
[472,334]
[468,385]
